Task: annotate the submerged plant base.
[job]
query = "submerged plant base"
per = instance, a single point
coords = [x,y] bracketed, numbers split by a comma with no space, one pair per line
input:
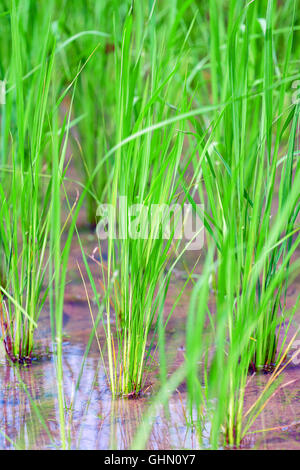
[133,395]
[26,360]
[265,369]
[33,358]
[136,393]
[9,350]
[25,348]
[245,443]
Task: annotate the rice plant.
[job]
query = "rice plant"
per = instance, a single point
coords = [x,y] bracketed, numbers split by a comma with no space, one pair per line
[24,225]
[28,179]
[245,165]
[255,246]
[145,176]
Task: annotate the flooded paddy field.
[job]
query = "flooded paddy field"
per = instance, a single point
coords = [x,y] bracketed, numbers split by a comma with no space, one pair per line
[149,225]
[97,421]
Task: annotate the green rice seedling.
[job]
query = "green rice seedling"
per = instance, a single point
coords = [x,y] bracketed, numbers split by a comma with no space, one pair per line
[241,166]
[32,173]
[189,370]
[24,225]
[145,176]
[217,381]
[26,179]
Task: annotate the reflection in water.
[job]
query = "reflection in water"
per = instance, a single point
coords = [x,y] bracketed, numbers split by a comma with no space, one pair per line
[22,391]
[94,421]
